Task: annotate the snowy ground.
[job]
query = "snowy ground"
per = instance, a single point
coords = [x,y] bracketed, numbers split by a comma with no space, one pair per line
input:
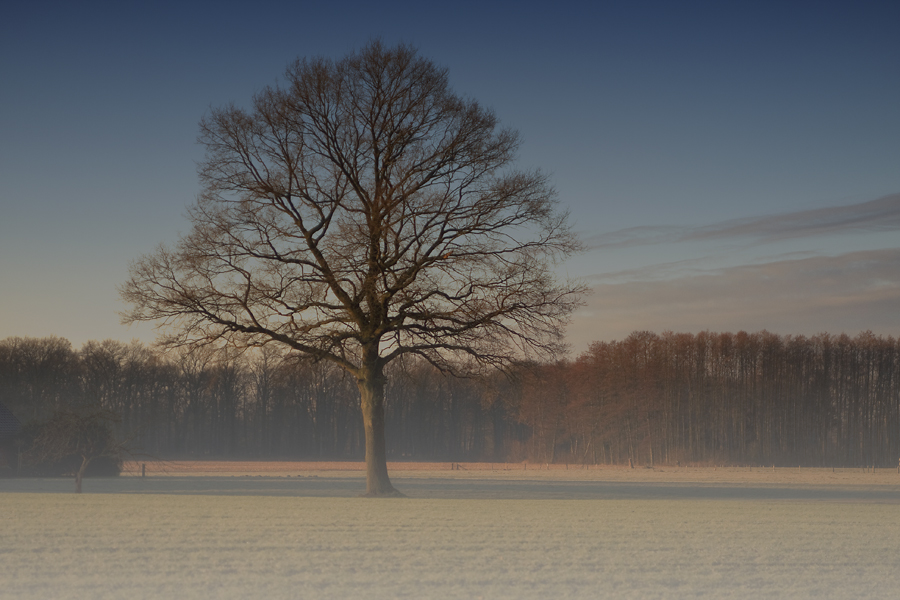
[617,533]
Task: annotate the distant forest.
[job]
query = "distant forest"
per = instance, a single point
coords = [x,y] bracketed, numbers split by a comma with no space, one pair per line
[674,398]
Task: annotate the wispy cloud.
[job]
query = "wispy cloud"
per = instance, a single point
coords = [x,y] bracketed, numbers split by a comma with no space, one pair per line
[882,214]
[847,293]
[729,285]
[686,267]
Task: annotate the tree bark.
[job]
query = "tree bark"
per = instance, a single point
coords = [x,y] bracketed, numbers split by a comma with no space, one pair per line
[371,391]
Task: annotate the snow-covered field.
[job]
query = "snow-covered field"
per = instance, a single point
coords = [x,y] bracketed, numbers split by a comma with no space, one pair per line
[612,533]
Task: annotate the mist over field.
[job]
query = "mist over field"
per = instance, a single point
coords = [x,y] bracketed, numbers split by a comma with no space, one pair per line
[650,399]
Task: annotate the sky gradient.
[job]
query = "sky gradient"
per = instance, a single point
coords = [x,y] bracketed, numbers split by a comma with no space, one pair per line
[729,167]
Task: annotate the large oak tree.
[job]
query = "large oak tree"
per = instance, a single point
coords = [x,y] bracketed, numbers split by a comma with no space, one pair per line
[358,212]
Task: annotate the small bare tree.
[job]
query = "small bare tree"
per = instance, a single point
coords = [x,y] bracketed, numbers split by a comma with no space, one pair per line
[357,213]
[84,435]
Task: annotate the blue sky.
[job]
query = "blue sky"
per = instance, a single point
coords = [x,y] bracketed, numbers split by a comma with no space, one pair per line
[730,165]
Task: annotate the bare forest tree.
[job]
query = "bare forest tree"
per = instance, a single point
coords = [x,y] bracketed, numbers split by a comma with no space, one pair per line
[358,213]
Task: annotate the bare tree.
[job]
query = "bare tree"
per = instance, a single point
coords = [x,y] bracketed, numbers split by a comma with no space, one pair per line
[82,435]
[359,212]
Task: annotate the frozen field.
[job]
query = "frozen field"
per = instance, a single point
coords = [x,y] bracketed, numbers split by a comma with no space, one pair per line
[614,533]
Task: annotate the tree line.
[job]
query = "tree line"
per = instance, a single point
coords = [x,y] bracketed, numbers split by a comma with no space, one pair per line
[255,404]
[719,398]
[671,398]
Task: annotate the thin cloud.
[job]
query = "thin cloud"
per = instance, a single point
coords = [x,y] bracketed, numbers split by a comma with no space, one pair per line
[637,236]
[878,215]
[683,268]
[848,293]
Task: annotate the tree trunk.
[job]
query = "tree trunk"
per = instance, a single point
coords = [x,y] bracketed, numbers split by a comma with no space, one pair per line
[371,390]
[79,475]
